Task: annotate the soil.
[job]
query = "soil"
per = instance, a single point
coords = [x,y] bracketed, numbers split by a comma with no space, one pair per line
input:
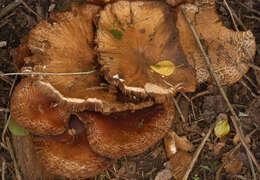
[207,101]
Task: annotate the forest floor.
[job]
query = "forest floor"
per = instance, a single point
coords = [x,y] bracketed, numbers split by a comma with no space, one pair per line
[207,102]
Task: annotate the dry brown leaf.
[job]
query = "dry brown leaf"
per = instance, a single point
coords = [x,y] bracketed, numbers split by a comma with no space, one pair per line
[236,139]
[217,147]
[179,163]
[234,166]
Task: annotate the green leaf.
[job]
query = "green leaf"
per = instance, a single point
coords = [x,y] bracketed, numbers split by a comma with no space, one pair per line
[141,124]
[222,128]
[165,68]
[116,34]
[15,129]
[206,167]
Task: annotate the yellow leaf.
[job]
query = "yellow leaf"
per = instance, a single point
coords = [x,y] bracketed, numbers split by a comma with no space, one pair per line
[165,68]
[222,128]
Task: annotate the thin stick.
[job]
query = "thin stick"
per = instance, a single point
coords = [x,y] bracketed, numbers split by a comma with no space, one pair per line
[248,8]
[192,105]
[207,92]
[48,73]
[5,130]
[9,8]
[248,88]
[243,26]
[255,67]
[31,10]
[230,12]
[251,166]
[4,110]
[197,153]
[179,110]
[3,170]
[234,118]
[9,146]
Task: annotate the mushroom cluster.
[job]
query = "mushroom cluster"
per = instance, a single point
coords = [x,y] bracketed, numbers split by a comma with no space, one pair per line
[101,81]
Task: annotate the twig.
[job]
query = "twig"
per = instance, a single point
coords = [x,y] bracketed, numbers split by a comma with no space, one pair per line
[192,105]
[218,173]
[31,10]
[234,118]
[230,12]
[4,110]
[243,142]
[48,73]
[179,110]
[251,82]
[9,146]
[197,153]
[4,130]
[243,26]
[253,17]
[255,67]
[200,94]
[9,8]
[251,166]
[248,88]
[3,170]
[248,8]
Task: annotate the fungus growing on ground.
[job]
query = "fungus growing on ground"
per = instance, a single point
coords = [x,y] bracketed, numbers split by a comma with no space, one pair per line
[226,48]
[37,109]
[61,48]
[64,113]
[128,133]
[139,50]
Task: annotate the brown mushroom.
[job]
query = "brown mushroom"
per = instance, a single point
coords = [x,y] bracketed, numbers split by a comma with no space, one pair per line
[37,110]
[140,51]
[127,133]
[85,126]
[73,160]
[226,48]
[67,46]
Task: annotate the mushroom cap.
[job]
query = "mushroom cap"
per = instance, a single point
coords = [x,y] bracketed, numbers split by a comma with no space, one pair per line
[67,46]
[127,133]
[37,110]
[134,40]
[73,160]
[226,48]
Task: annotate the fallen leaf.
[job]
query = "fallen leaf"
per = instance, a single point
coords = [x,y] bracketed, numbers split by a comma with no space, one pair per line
[218,147]
[180,162]
[222,127]
[165,68]
[234,166]
[236,139]
[15,129]
[164,174]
